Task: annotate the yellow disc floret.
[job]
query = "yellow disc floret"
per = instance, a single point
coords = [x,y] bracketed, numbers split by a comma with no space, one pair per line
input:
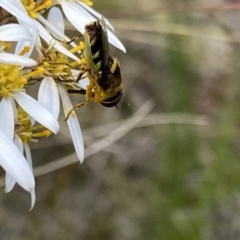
[32,9]
[13,79]
[56,64]
[26,131]
[79,47]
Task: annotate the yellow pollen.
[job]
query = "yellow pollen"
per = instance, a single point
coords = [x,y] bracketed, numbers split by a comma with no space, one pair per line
[25,50]
[83,61]
[11,79]
[87,2]
[4,92]
[38,126]
[31,8]
[74,64]
[46,64]
[23,81]
[39,71]
[57,65]
[46,4]
[28,4]
[32,14]
[26,131]
[77,48]
[45,133]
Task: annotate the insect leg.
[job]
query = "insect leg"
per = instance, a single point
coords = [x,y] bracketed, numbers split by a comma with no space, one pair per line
[80,91]
[68,42]
[75,108]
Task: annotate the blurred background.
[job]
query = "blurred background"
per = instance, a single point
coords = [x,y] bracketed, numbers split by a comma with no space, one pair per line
[167,164]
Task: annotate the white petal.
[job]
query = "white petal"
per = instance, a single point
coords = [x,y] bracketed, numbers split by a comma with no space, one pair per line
[55,18]
[29,160]
[57,33]
[31,43]
[33,121]
[13,59]
[74,12]
[38,47]
[74,16]
[14,32]
[7,117]
[83,83]
[33,199]
[96,14]
[28,154]
[18,142]
[73,123]
[75,73]
[51,41]
[15,164]
[83,13]
[15,111]
[10,181]
[17,10]
[37,111]
[48,96]
[115,41]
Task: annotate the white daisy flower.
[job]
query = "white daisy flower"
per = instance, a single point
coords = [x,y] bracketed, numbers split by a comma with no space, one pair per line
[50,91]
[26,16]
[11,86]
[77,12]
[13,162]
[15,8]
[11,181]
[17,33]
[11,156]
[25,132]
[80,14]
[14,32]
[12,81]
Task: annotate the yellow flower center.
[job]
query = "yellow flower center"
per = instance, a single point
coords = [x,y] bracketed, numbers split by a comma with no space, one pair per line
[58,66]
[13,79]
[26,131]
[32,9]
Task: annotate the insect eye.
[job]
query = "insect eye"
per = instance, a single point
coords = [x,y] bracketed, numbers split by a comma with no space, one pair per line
[113,101]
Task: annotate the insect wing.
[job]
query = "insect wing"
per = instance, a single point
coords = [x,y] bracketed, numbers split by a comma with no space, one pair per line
[105,46]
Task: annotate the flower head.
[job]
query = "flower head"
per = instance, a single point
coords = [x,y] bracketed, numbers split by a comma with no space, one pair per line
[25,131]
[12,81]
[61,69]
